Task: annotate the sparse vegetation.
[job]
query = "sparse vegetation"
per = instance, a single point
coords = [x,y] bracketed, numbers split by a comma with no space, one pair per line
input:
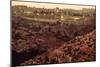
[45,41]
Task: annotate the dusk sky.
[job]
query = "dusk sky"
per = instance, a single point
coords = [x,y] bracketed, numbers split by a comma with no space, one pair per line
[49,5]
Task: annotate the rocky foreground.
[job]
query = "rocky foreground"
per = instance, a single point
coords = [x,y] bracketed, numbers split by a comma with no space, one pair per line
[79,49]
[45,43]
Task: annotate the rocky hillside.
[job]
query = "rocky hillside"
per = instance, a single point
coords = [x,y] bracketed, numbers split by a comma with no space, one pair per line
[81,48]
[31,39]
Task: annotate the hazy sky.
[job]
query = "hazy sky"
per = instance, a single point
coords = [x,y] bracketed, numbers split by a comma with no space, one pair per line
[49,5]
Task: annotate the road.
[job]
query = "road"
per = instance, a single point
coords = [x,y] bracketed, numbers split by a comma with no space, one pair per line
[41,19]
